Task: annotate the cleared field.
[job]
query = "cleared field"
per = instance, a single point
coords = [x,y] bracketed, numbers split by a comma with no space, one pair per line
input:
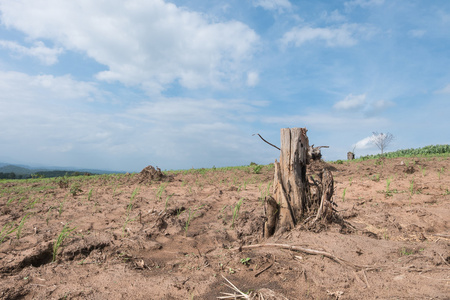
[133,237]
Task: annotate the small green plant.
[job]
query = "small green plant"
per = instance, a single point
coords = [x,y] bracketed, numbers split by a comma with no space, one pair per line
[75,189]
[167,201]
[406,251]
[191,214]
[350,181]
[388,183]
[236,209]
[411,187]
[160,190]
[32,204]
[422,169]
[7,229]
[440,172]
[61,206]
[21,224]
[63,182]
[133,194]
[188,221]
[65,233]
[245,261]
[375,177]
[339,162]
[257,169]
[90,195]
[343,194]
[48,212]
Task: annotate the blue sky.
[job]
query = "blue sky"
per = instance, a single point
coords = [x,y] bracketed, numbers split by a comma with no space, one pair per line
[122,84]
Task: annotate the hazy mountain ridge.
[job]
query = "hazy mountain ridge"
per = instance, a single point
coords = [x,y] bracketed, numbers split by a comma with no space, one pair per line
[28,170]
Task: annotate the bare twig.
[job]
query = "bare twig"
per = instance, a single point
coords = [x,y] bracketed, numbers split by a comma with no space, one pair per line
[263,270]
[233,296]
[266,141]
[443,259]
[365,278]
[307,251]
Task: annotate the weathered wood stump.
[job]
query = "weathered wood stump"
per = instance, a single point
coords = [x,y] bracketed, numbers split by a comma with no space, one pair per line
[350,156]
[292,198]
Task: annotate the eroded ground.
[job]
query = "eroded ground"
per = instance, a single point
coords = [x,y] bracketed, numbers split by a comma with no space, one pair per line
[136,238]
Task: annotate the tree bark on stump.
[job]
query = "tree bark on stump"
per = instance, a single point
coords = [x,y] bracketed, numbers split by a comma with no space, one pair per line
[291,189]
[290,183]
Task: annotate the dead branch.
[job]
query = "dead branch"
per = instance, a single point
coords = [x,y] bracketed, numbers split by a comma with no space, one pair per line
[307,251]
[266,141]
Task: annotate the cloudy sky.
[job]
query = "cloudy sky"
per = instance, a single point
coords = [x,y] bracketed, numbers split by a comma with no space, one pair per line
[122,84]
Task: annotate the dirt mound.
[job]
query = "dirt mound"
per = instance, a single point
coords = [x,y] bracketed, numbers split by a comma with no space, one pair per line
[149,174]
[316,166]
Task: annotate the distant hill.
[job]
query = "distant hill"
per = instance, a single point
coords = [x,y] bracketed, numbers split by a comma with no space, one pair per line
[23,171]
[15,169]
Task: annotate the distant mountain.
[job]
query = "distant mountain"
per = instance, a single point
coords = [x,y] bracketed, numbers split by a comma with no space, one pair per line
[28,170]
[15,169]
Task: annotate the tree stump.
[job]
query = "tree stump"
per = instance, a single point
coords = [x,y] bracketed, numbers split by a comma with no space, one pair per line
[293,197]
[350,156]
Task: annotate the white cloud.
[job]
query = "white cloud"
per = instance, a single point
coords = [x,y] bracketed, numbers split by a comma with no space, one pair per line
[365,143]
[378,106]
[359,103]
[58,126]
[23,87]
[252,78]
[279,5]
[445,90]
[334,16]
[417,33]
[147,43]
[47,56]
[364,3]
[351,102]
[343,36]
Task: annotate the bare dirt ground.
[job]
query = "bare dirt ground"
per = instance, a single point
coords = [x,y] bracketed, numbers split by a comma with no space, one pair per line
[135,237]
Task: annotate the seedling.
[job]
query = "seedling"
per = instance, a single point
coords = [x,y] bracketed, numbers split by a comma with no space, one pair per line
[7,229]
[245,261]
[257,169]
[375,177]
[20,226]
[411,187]
[188,221]
[423,170]
[66,231]
[191,214]
[90,195]
[167,201]
[406,251]
[236,209]
[160,191]
[388,183]
[133,195]
[75,189]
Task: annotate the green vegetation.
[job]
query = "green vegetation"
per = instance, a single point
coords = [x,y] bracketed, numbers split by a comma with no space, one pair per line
[7,229]
[21,224]
[432,150]
[65,233]
[236,209]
